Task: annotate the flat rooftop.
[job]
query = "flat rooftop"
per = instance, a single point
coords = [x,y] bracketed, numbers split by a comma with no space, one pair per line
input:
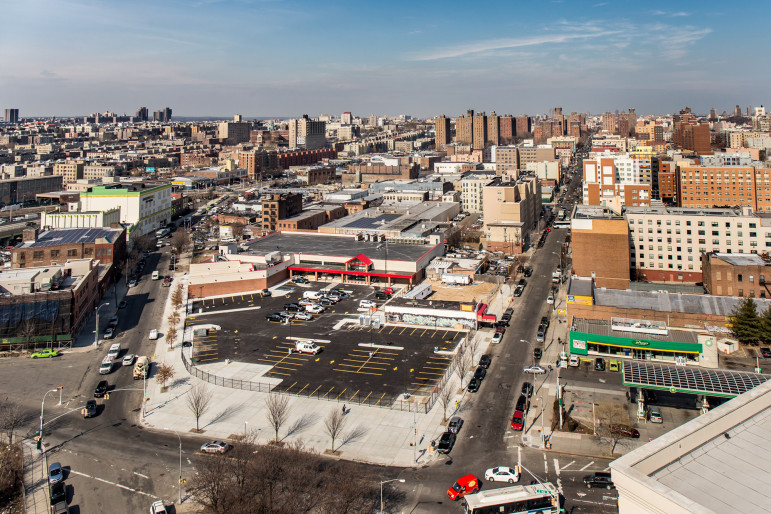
[741,259]
[71,236]
[717,462]
[335,246]
[672,302]
[603,328]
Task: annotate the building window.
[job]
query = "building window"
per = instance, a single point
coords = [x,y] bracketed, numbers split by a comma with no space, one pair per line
[54,253]
[739,279]
[37,255]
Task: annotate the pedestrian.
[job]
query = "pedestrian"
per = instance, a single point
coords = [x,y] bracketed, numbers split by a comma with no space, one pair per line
[343,408]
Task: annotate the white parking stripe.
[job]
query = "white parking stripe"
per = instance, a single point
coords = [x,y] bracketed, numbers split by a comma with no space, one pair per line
[587,466]
[519,455]
[114,483]
[566,466]
[557,470]
[545,464]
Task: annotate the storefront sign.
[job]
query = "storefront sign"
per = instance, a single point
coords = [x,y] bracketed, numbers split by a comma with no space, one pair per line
[640,343]
[579,345]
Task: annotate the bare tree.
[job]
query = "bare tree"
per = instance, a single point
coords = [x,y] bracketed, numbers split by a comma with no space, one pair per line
[171,335]
[26,329]
[163,374]
[461,362]
[334,423]
[238,230]
[12,417]
[198,399]
[143,243]
[445,396]
[611,416]
[180,241]
[174,318]
[278,411]
[176,297]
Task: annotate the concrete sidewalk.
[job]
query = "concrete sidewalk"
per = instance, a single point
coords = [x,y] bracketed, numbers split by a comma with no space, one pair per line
[109,307]
[36,498]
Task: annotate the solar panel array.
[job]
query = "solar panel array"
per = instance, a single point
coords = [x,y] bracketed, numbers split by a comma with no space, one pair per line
[715,381]
[73,236]
[372,223]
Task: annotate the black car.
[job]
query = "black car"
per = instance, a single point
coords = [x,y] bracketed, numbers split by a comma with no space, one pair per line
[473,385]
[650,396]
[765,351]
[528,271]
[500,329]
[275,318]
[484,361]
[380,295]
[599,364]
[187,344]
[89,411]
[522,282]
[545,321]
[299,280]
[58,493]
[446,442]
[293,307]
[518,291]
[537,353]
[527,389]
[503,323]
[326,302]
[506,318]
[480,372]
[523,403]
[101,389]
[599,479]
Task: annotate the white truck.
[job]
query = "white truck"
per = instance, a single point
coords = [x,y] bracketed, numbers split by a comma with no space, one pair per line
[456,278]
[156,275]
[142,367]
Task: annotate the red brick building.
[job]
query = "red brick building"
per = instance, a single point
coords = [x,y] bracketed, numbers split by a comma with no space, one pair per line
[736,274]
[107,245]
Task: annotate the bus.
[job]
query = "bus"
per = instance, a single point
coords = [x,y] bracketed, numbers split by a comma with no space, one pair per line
[530,499]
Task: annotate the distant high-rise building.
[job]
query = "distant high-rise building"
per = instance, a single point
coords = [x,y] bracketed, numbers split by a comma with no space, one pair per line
[442,132]
[346,118]
[523,125]
[689,133]
[234,132]
[479,128]
[11,115]
[141,114]
[493,130]
[464,128]
[737,111]
[163,115]
[506,130]
[307,133]
[609,122]
[372,120]
[713,114]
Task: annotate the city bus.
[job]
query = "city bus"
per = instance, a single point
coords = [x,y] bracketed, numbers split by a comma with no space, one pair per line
[518,499]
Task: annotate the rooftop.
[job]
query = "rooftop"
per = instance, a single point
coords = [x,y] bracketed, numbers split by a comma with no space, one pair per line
[335,245]
[69,236]
[741,259]
[672,302]
[603,328]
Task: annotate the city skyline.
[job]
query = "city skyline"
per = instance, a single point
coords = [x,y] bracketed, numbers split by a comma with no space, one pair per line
[282,59]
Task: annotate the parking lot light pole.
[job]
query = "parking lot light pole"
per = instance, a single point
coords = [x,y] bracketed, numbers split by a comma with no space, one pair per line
[401,480]
[96,332]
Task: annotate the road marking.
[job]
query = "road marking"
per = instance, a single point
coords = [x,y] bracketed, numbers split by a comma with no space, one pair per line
[586,466]
[113,483]
[557,470]
[545,464]
[519,455]
[595,503]
[339,395]
[314,391]
[566,466]
[141,475]
[607,469]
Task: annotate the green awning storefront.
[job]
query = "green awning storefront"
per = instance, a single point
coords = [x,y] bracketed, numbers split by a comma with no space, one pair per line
[580,341]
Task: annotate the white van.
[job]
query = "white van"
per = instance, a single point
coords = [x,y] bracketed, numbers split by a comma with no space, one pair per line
[153,334]
[366,304]
[156,275]
[307,347]
[573,361]
[114,350]
[313,295]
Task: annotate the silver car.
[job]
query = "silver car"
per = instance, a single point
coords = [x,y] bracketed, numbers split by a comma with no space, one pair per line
[453,426]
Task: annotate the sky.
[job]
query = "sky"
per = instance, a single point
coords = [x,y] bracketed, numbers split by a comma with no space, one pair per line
[274,58]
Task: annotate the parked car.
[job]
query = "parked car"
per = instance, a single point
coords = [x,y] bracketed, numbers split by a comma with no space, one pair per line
[55,473]
[540,335]
[537,353]
[480,372]
[216,447]
[502,474]
[89,411]
[528,271]
[446,442]
[599,479]
[101,389]
[293,307]
[523,403]
[42,354]
[158,508]
[473,385]
[128,359]
[454,424]
[304,316]
[58,493]
[518,420]
[599,364]
[505,319]
[654,415]
[550,299]
[527,389]
[307,347]
[626,430]
[275,318]
[522,282]
[545,322]
[765,351]
[534,369]
[500,329]
[518,291]
[485,360]
[286,315]
[314,309]
[153,334]
[133,283]
[109,333]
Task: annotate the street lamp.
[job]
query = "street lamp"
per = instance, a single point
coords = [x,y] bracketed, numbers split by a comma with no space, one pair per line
[540,399]
[96,332]
[531,349]
[179,480]
[401,480]
[42,405]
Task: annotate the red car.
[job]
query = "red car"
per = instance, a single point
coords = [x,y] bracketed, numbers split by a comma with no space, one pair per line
[464,485]
[518,420]
[388,290]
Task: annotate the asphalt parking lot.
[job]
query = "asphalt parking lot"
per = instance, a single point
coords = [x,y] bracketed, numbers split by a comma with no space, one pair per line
[358,362]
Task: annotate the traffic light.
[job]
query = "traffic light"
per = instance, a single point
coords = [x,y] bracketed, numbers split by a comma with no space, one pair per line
[107,396]
[39,443]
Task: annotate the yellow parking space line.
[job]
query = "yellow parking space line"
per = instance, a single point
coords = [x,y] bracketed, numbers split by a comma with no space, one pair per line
[423,333]
[286,367]
[380,399]
[354,395]
[341,393]
[413,331]
[365,398]
[439,358]
[441,368]
[204,360]
[392,330]
[405,328]
[314,391]
[429,373]
[303,389]
[445,334]
[279,373]
[242,297]
[330,390]
[358,372]
[251,297]
[290,387]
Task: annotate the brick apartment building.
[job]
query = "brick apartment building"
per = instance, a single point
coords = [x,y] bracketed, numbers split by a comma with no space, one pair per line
[511,212]
[719,186]
[52,247]
[443,132]
[689,133]
[312,219]
[600,241]
[368,173]
[303,157]
[279,207]
[736,274]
